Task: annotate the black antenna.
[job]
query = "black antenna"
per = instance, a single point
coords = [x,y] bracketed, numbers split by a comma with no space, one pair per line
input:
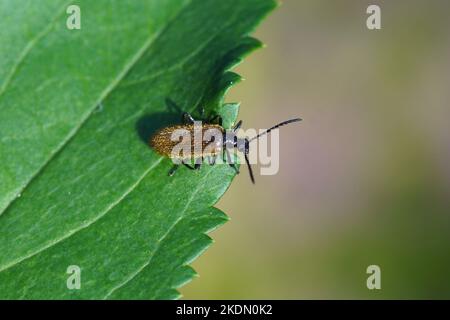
[249,168]
[276,126]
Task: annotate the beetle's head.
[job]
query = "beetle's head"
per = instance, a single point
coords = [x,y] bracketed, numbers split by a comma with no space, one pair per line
[242,145]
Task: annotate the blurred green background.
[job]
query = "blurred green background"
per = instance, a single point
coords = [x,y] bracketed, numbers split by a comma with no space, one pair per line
[364,179]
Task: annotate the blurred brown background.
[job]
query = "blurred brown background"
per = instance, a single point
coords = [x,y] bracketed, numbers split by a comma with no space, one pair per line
[364,179]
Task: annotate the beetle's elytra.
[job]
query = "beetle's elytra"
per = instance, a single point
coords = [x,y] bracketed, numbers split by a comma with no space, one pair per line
[163,143]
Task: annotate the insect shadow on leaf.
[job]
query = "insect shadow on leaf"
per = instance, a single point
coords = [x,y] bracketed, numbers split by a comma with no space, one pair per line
[148,124]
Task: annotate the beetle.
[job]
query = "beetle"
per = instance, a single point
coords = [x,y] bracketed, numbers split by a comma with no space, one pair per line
[163,143]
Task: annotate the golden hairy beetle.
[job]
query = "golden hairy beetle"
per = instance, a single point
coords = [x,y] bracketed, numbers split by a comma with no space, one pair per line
[163,143]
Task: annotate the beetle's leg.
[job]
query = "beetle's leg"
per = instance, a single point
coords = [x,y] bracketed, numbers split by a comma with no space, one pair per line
[227,152]
[212,160]
[202,114]
[188,166]
[172,106]
[216,119]
[186,118]
[198,163]
[230,162]
[233,165]
[173,170]
[237,126]
[196,166]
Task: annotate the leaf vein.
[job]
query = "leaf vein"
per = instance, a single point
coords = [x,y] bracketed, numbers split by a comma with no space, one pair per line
[87,224]
[102,97]
[30,45]
[162,238]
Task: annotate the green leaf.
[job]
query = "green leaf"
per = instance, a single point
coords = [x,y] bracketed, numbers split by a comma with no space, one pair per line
[79,184]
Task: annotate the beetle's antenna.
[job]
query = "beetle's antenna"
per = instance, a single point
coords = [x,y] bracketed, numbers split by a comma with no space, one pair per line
[237,126]
[275,126]
[249,168]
